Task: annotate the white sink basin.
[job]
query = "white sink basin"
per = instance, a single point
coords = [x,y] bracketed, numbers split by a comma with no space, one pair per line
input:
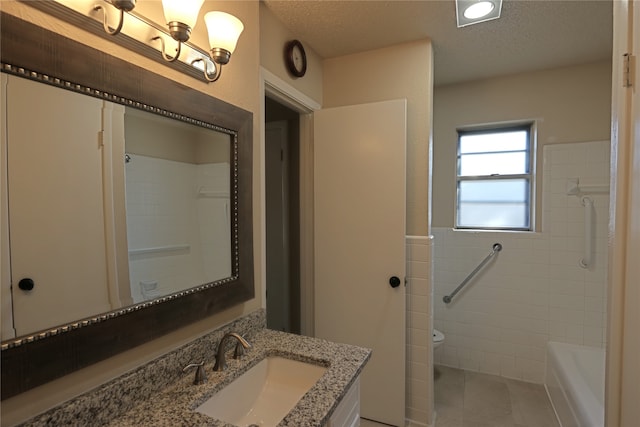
[264,394]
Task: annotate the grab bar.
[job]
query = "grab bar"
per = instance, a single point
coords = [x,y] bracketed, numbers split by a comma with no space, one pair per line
[587,202]
[497,247]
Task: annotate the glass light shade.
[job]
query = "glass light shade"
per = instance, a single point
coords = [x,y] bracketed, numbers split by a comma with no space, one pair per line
[224,30]
[183,11]
[478,10]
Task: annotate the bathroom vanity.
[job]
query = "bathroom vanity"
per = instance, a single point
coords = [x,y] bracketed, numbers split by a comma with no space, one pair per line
[161,394]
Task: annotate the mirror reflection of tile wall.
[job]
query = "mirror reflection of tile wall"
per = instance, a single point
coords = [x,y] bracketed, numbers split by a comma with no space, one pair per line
[177,225]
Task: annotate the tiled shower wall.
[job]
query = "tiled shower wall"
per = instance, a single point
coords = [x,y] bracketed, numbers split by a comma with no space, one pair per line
[167,239]
[419,372]
[534,291]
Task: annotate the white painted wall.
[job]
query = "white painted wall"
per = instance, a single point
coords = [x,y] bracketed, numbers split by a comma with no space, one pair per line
[570,104]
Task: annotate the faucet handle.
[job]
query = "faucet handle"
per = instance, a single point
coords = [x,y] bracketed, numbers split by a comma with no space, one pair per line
[239,351]
[201,375]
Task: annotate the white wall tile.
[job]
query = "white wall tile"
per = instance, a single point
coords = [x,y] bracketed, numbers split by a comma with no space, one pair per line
[420,357]
[534,290]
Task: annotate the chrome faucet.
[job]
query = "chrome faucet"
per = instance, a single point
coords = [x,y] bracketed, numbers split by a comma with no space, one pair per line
[221,363]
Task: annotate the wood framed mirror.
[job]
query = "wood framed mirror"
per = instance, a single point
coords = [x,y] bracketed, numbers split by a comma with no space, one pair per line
[35,54]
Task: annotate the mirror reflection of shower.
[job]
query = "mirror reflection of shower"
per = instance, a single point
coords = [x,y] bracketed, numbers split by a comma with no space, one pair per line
[177,179]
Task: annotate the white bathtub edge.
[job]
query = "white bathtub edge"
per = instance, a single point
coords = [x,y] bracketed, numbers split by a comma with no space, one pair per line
[574,403]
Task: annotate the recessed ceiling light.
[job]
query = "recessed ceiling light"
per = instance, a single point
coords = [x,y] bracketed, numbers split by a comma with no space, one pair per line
[478,10]
[473,11]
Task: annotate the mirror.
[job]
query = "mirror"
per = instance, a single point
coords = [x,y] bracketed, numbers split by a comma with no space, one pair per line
[177,186]
[170,181]
[64,210]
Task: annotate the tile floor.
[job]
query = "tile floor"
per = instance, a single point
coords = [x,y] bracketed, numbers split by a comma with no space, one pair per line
[470,399]
[369,423]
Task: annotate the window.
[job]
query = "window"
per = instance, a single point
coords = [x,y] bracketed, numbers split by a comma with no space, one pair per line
[494,179]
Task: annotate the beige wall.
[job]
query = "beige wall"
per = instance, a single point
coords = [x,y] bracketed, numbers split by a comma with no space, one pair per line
[401,71]
[570,104]
[273,37]
[362,78]
[239,85]
[163,138]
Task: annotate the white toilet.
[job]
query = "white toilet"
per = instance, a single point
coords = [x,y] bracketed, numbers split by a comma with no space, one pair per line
[438,338]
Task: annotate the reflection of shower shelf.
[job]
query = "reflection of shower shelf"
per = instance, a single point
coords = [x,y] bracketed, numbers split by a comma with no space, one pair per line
[574,188]
[159,249]
[203,192]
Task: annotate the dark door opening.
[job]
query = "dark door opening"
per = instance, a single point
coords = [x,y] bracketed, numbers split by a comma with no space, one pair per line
[282,172]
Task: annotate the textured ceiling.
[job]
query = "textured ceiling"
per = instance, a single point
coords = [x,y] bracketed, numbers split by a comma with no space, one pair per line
[530,35]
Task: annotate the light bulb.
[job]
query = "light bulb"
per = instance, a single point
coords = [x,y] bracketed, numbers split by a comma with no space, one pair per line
[478,10]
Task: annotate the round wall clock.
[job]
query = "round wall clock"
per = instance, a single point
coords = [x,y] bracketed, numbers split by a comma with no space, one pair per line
[295,58]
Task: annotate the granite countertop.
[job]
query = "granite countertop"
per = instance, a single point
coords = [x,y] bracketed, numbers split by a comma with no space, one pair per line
[175,405]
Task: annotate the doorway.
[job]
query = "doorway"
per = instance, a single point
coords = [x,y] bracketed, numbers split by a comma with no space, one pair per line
[282,193]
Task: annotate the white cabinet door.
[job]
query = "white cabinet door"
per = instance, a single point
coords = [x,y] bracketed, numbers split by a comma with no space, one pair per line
[359,235]
[347,414]
[54,155]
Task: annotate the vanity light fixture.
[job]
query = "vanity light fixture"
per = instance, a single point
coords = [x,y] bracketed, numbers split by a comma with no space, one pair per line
[474,11]
[224,30]
[181,17]
[123,6]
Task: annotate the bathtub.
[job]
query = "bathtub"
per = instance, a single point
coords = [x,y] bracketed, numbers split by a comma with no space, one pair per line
[575,384]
